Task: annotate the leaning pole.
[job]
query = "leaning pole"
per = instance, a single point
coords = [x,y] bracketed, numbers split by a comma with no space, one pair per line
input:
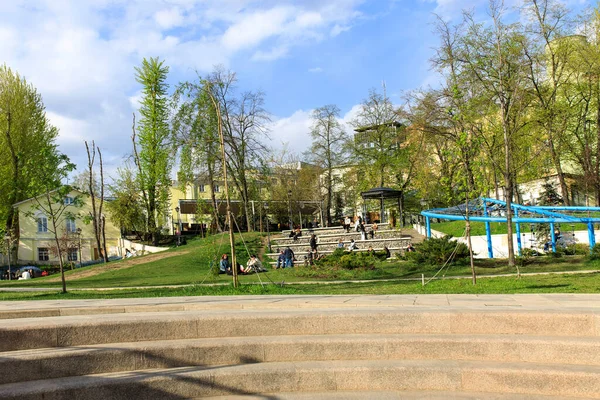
[224,155]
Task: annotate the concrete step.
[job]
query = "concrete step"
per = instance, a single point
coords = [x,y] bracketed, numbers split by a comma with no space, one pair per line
[331,229]
[389,395]
[32,333]
[55,363]
[300,256]
[334,238]
[362,244]
[321,376]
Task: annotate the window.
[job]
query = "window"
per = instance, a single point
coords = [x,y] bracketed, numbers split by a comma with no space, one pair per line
[216,188]
[71,228]
[201,188]
[42,224]
[72,254]
[43,254]
[69,200]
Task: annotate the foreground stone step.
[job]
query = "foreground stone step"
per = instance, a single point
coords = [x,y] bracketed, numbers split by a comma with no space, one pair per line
[53,363]
[389,395]
[319,376]
[32,333]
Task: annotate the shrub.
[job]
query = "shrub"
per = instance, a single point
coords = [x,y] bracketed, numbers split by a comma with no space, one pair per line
[579,249]
[595,253]
[438,251]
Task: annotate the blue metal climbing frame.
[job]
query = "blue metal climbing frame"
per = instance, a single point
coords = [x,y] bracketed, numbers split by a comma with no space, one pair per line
[491,210]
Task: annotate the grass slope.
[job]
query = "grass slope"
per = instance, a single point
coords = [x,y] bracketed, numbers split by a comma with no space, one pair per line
[190,265]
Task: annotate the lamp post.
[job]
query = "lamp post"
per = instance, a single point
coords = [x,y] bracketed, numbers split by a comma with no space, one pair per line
[78,230]
[268,232]
[178,226]
[8,248]
[289,193]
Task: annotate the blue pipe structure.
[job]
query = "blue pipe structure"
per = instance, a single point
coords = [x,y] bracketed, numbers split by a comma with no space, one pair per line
[522,214]
[488,232]
[518,225]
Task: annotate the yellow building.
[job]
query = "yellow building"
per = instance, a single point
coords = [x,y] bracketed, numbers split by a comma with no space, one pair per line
[36,237]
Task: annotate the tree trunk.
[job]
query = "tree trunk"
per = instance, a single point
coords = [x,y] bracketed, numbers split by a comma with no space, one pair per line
[559,172]
[14,198]
[213,197]
[95,215]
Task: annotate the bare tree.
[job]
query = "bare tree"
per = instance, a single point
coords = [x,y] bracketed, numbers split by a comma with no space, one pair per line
[496,59]
[244,120]
[96,214]
[328,137]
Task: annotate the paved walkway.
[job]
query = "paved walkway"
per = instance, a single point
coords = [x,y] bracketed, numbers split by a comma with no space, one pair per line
[558,302]
[267,281]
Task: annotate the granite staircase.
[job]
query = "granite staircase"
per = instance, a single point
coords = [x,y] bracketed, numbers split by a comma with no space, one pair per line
[278,352]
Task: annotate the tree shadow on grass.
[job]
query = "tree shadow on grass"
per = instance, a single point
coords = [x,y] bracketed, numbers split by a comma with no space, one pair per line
[558,285]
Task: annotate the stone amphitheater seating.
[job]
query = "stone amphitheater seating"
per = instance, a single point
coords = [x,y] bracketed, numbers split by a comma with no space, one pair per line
[176,350]
[329,238]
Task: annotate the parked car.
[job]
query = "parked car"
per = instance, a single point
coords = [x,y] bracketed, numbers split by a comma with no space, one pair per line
[34,271]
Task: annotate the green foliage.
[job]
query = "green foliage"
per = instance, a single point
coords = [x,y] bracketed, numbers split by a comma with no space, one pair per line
[580,249]
[127,209]
[438,251]
[595,253]
[29,158]
[155,157]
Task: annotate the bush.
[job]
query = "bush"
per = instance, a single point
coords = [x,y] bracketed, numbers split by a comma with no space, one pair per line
[595,253]
[438,251]
[579,249]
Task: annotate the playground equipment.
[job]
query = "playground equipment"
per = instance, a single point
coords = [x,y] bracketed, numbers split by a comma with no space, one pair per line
[491,210]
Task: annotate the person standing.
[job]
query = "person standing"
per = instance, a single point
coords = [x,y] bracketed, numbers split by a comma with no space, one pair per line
[313,242]
[289,257]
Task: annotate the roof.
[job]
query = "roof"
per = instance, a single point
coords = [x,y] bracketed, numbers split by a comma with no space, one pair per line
[52,191]
[381,193]
[395,124]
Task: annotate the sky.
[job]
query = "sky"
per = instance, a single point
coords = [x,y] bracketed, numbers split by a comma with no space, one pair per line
[303,54]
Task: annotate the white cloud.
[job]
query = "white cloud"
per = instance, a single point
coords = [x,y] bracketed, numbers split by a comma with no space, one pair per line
[270,55]
[80,55]
[255,28]
[315,70]
[292,132]
[168,19]
[337,29]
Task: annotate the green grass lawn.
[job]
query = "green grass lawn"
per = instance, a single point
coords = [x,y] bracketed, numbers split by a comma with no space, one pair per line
[190,265]
[581,283]
[457,228]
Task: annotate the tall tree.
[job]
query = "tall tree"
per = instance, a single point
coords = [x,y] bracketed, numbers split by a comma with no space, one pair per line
[496,60]
[195,133]
[375,144]
[154,159]
[548,54]
[328,138]
[28,148]
[244,120]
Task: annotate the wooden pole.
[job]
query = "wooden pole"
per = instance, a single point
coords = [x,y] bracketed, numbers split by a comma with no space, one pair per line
[229,216]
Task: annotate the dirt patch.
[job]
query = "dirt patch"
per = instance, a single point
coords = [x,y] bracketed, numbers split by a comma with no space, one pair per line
[113,266]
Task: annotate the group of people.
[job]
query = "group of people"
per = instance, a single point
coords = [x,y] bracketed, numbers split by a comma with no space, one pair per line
[286,258]
[359,226]
[253,265]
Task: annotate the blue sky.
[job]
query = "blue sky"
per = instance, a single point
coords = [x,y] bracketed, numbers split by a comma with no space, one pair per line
[80,55]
